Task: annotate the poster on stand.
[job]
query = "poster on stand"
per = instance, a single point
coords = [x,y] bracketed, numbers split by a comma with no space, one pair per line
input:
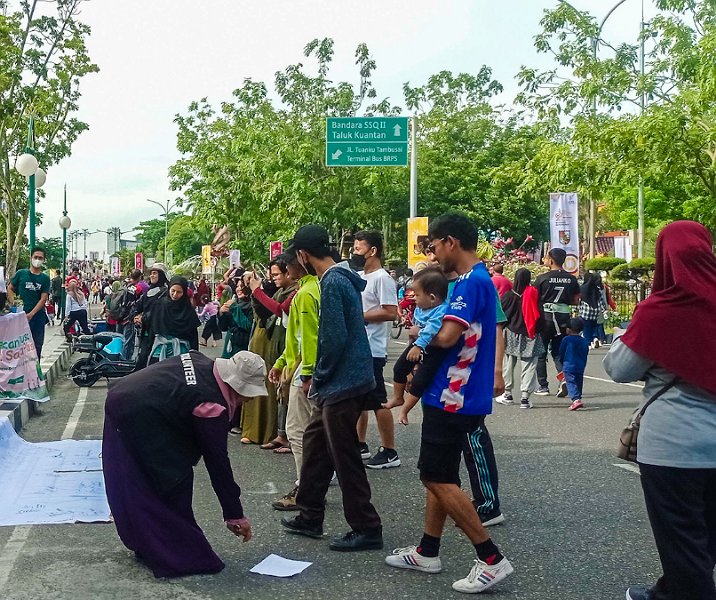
[20,373]
[275,249]
[564,227]
[116,267]
[206,260]
[417,241]
[139,261]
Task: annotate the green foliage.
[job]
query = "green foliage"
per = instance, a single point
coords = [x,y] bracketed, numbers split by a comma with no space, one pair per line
[43,59]
[603,263]
[151,235]
[53,252]
[610,145]
[258,166]
[186,237]
[637,269]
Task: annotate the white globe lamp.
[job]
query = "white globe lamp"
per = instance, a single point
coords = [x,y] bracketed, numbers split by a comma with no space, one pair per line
[65,222]
[26,164]
[40,178]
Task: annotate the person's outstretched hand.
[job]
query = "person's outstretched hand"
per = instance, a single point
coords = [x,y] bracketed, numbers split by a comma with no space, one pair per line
[240,528]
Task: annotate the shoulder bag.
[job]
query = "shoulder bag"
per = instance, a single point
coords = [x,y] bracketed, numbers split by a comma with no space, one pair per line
[628,438]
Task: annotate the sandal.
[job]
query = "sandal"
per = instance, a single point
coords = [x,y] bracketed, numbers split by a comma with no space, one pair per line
[245,440]
[283,450]
[272,445]
[204,344]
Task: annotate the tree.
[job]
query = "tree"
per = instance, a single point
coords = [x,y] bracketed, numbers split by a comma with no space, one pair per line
[671,146]
[186,237]
[43,58]
[151,235]
[53,252]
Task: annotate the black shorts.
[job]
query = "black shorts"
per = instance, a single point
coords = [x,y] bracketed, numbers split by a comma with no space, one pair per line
[441,444]
[427,369]
[377,396]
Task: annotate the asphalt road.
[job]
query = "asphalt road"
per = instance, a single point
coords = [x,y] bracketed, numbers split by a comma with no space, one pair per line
[576,524]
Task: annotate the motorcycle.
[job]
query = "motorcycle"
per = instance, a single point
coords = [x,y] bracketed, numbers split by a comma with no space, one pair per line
[106,358]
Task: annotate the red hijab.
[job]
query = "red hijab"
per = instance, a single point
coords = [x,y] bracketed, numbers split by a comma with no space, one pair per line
[676,326]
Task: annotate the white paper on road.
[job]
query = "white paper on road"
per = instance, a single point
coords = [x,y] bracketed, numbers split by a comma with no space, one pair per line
[50,482]
[277,566]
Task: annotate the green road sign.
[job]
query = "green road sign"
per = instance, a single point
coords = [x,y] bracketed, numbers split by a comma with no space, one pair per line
[367,141]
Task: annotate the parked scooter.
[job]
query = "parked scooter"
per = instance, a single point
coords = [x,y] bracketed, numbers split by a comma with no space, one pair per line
[106,358]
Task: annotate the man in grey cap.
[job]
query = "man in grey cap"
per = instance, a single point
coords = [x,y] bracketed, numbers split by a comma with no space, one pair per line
[142,310]
[158,423]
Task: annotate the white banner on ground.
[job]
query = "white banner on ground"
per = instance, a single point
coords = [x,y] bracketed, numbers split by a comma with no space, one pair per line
[20,373]
[564,227]
[51,482]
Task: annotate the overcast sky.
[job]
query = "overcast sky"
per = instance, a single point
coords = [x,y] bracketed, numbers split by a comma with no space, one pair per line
[157,56]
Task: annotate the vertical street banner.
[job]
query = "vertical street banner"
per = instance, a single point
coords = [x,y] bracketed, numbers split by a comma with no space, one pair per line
[20,373]
[139,261]
[234,258]
[275,249]
[564,227]
[115,267]
[417,241]
[206,260]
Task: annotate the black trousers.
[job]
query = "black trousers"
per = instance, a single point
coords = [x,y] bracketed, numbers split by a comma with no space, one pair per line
[481,465]
[81,317]
[330,443]
[427,369]
[211,329]
[682,511]
[552,336]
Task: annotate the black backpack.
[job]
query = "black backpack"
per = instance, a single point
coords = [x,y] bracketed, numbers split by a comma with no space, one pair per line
[120,304]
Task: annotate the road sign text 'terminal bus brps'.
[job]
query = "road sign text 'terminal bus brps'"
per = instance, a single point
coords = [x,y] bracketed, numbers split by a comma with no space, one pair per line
[366,141]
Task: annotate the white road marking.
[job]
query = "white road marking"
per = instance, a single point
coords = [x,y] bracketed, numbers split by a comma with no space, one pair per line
[269,488]
[14,546]
[628,467]
[636,385]
[11,551]
[76,414]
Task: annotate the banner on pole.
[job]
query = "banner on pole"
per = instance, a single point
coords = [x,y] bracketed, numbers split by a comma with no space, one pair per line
[234,258]
[564,227]
[20,373]
[116,267]
[275,249]
[417,241]
[139,261]
[206,260]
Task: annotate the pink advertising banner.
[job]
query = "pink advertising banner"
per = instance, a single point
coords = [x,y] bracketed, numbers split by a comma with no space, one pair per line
[20,374]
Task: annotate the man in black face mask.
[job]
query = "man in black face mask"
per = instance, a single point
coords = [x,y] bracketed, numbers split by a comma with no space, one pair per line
[380,307]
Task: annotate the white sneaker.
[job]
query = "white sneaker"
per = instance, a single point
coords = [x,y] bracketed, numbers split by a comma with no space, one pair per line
[409,558]
[483,576]
[505,399]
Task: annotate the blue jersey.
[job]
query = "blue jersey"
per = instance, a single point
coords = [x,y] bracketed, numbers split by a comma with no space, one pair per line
[465,380]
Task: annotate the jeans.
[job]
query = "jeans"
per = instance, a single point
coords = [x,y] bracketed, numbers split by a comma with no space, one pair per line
[682,512]
[575,382]
[37,329]
[590,331]
[129,333]
[81,317]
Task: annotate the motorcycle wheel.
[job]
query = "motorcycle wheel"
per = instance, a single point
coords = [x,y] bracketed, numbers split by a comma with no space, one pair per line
[397,328]
[81,373]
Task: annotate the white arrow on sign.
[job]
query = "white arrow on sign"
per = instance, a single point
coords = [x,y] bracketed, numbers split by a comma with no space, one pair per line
[337,154]
[396,130]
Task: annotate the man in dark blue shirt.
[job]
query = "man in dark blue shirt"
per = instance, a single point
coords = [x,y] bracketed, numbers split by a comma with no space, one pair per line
[573,353]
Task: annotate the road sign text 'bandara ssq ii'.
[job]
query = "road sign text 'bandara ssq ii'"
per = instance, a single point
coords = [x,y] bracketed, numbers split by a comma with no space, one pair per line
[366,141]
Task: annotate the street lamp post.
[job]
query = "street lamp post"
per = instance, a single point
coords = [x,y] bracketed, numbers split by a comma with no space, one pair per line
[65,224]
[592,207]
[169,206]
[28,166]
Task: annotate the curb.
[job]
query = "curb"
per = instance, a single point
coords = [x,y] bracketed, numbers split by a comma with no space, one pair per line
[52,365]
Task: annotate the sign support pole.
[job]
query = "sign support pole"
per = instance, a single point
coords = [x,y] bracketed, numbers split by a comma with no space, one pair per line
[413,168]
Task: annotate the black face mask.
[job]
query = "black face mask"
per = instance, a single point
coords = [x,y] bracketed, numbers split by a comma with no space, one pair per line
[357,262]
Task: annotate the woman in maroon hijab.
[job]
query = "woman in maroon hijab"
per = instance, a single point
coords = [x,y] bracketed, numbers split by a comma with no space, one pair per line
[671,344]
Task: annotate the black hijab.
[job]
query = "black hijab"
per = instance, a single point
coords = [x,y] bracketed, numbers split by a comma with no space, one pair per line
[512,302]
[175,317]
[590,290]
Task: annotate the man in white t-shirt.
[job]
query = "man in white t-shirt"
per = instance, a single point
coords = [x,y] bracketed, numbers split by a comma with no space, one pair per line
[380,306]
